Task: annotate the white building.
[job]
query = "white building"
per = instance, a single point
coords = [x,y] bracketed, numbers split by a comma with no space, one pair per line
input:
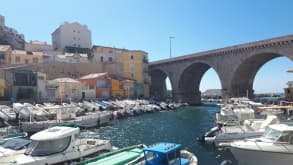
[71,35]
[72,58]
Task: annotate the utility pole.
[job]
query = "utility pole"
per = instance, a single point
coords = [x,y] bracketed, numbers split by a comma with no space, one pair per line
[170,39]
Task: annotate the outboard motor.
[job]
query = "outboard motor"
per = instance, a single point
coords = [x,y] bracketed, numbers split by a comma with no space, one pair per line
[226,162]
[210,134]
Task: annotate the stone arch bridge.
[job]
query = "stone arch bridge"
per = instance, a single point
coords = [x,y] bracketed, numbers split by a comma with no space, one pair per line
[236,67]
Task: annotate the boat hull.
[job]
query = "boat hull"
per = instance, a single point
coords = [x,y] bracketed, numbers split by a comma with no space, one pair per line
[257,157]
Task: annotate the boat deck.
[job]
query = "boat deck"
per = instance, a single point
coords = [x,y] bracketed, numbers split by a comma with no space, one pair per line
[119,158]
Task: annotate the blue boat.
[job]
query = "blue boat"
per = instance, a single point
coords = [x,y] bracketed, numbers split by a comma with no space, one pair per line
[164,153]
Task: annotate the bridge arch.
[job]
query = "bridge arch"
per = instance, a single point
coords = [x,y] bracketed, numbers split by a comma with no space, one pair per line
[245,72]
[158,88]
[189,82]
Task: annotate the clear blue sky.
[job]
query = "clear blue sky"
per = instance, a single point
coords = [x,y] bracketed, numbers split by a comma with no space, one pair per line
[197,25]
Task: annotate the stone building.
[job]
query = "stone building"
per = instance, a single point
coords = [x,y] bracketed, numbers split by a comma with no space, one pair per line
[71,35]
[63,89]
[9,36]
[289,91]
[5,51]
[24,57]
[102,54]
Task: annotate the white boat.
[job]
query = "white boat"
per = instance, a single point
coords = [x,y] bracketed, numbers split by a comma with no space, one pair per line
[23,112]
[8,111]
[37,113]
[13,146]
[275,146]
[57,145]
[250,128]
[234,114]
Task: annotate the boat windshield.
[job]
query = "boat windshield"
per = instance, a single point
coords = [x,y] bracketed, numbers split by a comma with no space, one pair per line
[49,147]
[16,143]
[154,158]
[271,134]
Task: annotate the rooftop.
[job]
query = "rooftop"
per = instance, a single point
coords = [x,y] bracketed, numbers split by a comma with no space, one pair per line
[54,133]
[4,48]
[94,75]
[163,147]
[66,79]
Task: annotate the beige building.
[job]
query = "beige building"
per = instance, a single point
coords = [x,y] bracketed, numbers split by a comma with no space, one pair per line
[63,89]
[71,35]
[24,57]
[106,54]
[5,51]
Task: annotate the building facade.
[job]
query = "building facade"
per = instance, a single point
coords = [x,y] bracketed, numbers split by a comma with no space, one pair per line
[5,51]
[289,91]
[72,58]
[24,57]
[71,35]
[135,66]
[63,89]
[102,54]
[117,90]
[101,82]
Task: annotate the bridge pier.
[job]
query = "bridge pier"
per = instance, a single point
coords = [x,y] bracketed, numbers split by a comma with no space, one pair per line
[192,98]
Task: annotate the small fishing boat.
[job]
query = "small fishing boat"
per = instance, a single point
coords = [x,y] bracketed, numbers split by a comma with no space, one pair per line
[57,145]
[125,156]
[167,154]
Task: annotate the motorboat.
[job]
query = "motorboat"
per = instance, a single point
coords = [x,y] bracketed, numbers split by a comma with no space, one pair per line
[37,113]
[166,153]
[125,156]
[22,110]
[11,146]
[58,145]
[8,112]
[275,146]
[250,128]
[234,114]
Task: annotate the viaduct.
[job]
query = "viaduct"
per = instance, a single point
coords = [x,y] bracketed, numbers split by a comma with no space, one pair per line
[236,67]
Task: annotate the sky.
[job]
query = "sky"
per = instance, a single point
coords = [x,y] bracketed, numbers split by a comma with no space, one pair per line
[197,25]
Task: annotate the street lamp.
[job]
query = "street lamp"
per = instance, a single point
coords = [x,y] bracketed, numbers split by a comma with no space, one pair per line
[170,38]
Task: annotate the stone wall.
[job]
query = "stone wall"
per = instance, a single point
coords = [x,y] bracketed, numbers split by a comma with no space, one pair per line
[76,70]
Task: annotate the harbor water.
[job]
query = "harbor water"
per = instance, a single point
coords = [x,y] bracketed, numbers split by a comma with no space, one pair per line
[182,126]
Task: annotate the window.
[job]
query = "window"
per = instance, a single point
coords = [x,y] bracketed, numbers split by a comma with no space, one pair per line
[35,60]
[73,31]
[17,59]
[43,148]
[73,38]
[132,75]
[26,61]
[131,57]
[102,58]
[91,87]
[110,59]
[101,84]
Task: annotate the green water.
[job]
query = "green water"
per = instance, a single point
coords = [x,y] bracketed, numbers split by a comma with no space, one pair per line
[182,126]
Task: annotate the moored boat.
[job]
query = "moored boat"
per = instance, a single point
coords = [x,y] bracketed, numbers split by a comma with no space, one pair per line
[58,145]
[275,146]
[165,153]
[125,156]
